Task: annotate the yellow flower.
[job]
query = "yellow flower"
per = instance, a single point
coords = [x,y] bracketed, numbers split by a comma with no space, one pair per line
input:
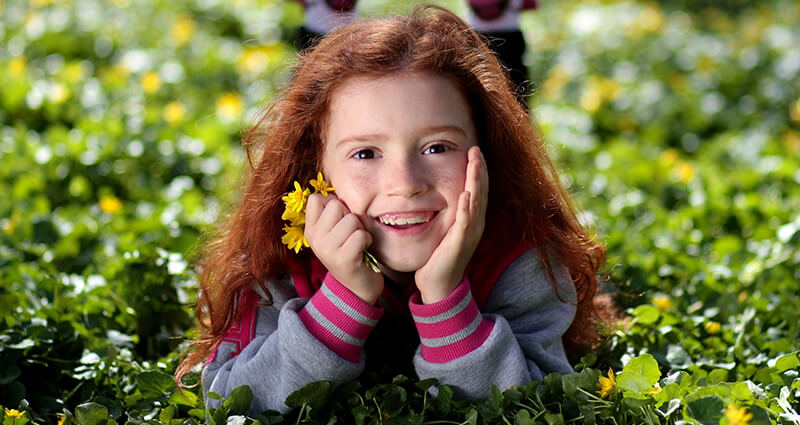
[58,93]
[229,106]
[656,389]
[795,111]
[293,217]
[607,385]
[712,327]
[17,66]
[151,82]
[296,201]
[737,415]
[13,413]
[685,171]
[321,186]
[173,112]
[662,302]
[110,204]
[294,238]
[62,419]
[183,30]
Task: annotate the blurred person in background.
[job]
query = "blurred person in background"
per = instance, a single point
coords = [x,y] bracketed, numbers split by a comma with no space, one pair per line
[496,20]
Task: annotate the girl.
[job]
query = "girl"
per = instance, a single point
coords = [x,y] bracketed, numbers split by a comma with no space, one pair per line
[486,276]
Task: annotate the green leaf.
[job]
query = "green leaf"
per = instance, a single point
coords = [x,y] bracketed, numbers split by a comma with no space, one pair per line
[360,414]
[788,362]
[523,417]
[155,383]
[646,314]
[554,418]
[239,400]
[313,394]
[633,382]
[471,417]
[91,414]
[443,400]
[645,366]
[183,398]
[706,410]
[166,414]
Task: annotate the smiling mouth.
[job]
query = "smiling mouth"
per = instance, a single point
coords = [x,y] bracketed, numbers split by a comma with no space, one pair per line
[405,220]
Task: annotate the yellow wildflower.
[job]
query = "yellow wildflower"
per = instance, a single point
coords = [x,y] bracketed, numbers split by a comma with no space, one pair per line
[669,156]
[685,171]
[795,111]
[151,82]
[17,66]
[293,217]
[13,413]
[62,419]
[183,30]
[59,93]
[737,415]
[607,385]
[296,200]
[712,327]
[320,185]
[173,112]
[294,238]
[656,389]
[110,204]
[662,302]
[229,106]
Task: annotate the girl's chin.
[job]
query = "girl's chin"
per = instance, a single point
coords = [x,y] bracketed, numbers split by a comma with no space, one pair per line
[396,268]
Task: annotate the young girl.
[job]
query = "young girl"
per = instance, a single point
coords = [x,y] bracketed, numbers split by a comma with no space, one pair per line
[485,273]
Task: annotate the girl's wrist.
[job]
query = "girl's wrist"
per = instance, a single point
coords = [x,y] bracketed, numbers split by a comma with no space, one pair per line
[433,293]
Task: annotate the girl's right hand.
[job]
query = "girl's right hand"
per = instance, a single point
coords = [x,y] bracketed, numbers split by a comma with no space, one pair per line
[338,239]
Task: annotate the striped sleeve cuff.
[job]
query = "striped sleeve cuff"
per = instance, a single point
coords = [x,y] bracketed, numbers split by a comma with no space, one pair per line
[450,328]
[340,319]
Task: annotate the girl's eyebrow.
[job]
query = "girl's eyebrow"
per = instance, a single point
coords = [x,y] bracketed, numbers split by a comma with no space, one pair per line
[380,137]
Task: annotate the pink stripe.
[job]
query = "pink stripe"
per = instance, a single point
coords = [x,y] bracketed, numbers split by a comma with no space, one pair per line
[352,299]
[340,318]
[449,326]
[344,350]
[428,310]
[453,351]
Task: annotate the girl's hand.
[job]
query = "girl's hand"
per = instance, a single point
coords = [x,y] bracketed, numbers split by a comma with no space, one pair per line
[338,239]
[442,273]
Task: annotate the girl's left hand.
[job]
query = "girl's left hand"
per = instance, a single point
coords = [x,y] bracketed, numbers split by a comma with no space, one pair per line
[442,273]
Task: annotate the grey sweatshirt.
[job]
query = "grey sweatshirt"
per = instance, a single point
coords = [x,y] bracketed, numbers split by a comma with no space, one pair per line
[516,339]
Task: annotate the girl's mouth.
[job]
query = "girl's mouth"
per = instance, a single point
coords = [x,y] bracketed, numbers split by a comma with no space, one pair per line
[401,221]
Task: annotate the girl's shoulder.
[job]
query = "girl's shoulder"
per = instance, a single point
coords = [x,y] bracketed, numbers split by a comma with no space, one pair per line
[527,283]
[256,308]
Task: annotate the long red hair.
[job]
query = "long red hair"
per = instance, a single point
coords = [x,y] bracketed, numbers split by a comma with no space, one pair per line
[285,145]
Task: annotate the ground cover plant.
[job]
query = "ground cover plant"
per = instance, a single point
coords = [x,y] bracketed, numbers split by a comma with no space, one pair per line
[677,126]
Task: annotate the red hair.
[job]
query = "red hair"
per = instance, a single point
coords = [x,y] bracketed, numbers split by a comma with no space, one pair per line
[285,145]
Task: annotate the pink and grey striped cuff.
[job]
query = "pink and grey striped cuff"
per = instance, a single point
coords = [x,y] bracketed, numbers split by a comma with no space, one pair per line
[340,319]
[450,328]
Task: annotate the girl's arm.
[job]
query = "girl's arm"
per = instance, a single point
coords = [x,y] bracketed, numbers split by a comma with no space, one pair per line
[292,346]
[525,318]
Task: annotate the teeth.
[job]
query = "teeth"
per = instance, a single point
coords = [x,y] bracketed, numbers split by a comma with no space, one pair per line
[403,220]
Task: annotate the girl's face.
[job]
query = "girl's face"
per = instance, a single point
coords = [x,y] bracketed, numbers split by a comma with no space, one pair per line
[395,149]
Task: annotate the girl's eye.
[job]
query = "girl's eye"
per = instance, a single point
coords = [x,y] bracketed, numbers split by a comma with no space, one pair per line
[365,154]
[435,149]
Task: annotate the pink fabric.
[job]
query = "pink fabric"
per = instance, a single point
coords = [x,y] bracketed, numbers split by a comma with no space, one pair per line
[449,326]
[339,319]
[461,348]
[244,327]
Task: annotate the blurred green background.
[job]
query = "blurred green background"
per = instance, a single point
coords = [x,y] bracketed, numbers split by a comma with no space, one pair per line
[676,125]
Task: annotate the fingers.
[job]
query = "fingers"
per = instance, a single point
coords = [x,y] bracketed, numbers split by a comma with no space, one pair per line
[477,183]
[331,228]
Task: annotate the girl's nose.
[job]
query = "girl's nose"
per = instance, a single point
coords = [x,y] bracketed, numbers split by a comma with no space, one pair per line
[405,178]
